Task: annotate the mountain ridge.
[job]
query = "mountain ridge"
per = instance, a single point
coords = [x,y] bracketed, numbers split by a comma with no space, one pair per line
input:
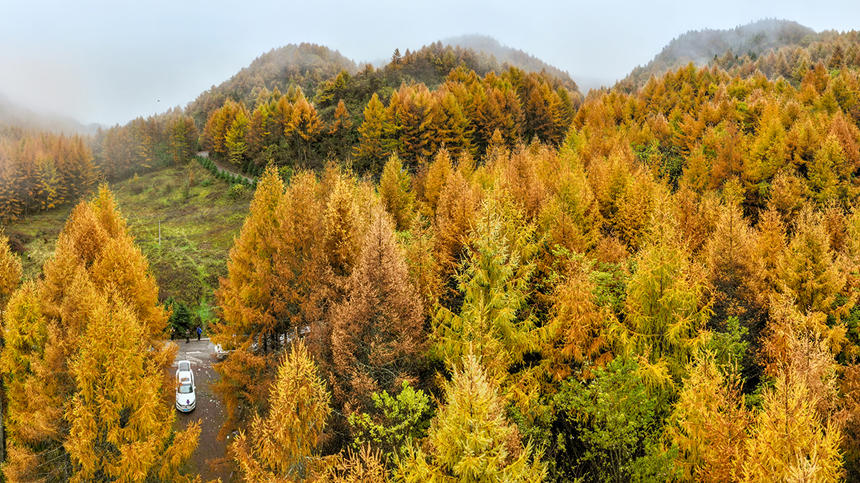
[701,46]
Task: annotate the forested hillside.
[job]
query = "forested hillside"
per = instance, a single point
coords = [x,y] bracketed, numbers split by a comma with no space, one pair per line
[507,55]
[465,114]
[449,273]
[304,65]
[702,46]
[834,50]
[671,293]
[41,170]
[84,361]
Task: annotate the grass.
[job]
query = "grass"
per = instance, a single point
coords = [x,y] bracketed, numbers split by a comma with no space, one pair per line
[199,217]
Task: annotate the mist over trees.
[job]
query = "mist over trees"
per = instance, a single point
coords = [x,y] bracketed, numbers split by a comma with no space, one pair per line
[702,46]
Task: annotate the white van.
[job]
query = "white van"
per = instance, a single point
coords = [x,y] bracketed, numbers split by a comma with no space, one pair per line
[186,395]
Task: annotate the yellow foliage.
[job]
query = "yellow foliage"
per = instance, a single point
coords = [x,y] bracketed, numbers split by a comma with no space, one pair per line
[10,271]
[282,445]
[710,423]
[470,439]
[120,427]
[789,440]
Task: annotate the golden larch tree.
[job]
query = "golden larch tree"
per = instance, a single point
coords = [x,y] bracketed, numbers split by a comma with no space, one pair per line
[470,438]
[377,335]
[10,271]
[119,426]
[709,423]
[395,192]
[251,303]
[95,273]
[282,445]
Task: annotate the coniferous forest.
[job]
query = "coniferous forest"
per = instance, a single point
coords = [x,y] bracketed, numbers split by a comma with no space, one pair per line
[455,269]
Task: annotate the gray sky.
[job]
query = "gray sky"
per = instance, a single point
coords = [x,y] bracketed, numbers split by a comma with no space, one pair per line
[109,61]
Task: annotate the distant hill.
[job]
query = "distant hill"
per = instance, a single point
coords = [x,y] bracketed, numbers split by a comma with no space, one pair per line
[508,55]
[432,63]
[305,65]
[318,69]
[831,49]
[14,115]
[701,46]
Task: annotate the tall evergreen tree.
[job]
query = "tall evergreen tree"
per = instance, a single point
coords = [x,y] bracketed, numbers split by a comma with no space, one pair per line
[119,426]
[252,304]
[10,271]
[372,145]
[789,440]
[62,330]
[470,438]
[282,445]
[377,331]
[395,192]
[709,423]
[493,322]
[666,305]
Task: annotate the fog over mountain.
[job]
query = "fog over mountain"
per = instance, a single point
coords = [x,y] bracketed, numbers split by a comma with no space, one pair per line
[109,62]
[12,114]
[701,46]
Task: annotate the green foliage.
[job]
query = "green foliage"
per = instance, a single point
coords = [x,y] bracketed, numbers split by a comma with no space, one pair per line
[613,426]
[730,347]
[667,305]
[396,193]
[399,422]
[688,206]
[224,175]
[180,321]
[470,439]
[238,191]
[494,322]
[610,286]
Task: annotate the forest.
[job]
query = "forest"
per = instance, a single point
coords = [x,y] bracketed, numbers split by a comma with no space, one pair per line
[482,276]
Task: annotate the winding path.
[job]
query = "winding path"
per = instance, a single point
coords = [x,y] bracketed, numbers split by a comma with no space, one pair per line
[223,169]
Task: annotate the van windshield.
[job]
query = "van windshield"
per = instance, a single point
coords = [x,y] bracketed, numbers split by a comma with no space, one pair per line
[185,389]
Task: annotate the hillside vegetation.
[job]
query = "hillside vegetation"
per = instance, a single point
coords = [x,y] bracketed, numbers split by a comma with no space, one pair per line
[671,293]
[701,47]
[199,216]
[508,55]
[304,65]
[482,277]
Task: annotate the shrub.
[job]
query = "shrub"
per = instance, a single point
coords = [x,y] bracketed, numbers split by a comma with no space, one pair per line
[238,191]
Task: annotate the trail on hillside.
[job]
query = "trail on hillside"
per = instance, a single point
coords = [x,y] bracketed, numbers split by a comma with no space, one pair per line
[222,169]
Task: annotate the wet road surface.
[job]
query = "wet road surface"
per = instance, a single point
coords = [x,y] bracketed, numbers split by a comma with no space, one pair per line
[209,411]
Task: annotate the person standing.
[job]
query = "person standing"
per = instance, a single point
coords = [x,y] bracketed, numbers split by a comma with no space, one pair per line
[199,332]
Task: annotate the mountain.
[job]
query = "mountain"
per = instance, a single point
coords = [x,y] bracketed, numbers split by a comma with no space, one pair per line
[508,55]
[702,46]
[19,117]
[830,50]
[326,76]
[309,65]
[305,65]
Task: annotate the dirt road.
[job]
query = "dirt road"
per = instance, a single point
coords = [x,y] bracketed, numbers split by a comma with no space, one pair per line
[209,410]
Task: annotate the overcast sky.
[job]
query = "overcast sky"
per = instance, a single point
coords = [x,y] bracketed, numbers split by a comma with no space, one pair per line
[110,61]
